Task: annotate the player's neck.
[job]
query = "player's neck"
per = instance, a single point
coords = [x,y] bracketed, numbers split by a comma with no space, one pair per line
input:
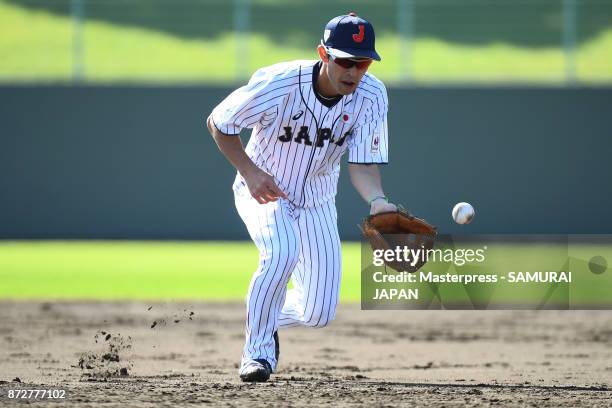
[323,85]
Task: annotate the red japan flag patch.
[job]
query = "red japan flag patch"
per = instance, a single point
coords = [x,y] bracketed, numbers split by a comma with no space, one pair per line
[375,143]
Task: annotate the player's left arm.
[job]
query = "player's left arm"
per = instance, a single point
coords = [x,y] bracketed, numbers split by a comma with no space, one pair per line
[367,181]
[368,147]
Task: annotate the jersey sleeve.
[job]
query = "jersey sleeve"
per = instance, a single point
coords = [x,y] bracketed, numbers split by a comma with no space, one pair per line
[369,143]
[244,107]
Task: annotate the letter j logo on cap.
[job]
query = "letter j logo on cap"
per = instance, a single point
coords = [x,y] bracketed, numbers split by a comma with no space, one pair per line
[359,37]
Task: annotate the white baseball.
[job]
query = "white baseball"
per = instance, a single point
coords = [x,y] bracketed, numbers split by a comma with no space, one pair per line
[463,213]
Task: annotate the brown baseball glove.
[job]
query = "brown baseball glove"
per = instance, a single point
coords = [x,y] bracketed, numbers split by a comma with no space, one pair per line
[389,230]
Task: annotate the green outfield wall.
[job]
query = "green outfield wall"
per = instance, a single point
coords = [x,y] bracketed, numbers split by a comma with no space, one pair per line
[137,162]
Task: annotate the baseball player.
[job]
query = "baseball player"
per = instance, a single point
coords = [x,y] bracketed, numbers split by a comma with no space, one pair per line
[305,115]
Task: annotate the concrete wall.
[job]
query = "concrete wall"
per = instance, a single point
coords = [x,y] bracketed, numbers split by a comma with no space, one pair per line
[138,163]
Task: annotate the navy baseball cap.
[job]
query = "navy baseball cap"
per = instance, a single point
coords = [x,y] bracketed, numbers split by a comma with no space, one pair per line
[350,36]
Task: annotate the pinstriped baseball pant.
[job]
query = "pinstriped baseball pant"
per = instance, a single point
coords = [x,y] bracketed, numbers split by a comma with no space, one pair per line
[297,243]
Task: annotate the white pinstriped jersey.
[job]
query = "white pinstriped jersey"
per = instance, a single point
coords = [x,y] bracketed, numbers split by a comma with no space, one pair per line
[297,138]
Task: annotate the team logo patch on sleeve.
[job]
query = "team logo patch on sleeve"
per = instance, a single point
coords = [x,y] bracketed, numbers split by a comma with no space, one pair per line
[375,143]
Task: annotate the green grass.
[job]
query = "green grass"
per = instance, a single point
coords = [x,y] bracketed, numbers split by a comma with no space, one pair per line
[37,45]
[140,270]
[110,270]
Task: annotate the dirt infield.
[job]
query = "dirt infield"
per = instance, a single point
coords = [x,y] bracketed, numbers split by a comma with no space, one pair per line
[108,353]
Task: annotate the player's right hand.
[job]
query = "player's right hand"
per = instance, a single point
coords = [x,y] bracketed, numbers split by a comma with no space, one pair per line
[262,186]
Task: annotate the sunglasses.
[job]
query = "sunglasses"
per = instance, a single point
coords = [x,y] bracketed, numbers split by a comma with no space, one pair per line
[348,63]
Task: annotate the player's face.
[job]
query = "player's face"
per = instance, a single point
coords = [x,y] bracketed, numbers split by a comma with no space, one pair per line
[344,73]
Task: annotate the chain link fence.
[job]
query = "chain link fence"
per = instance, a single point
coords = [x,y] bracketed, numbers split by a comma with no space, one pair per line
[204,41]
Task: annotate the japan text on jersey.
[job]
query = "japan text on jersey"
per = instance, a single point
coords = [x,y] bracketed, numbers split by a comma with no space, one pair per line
[296,137]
